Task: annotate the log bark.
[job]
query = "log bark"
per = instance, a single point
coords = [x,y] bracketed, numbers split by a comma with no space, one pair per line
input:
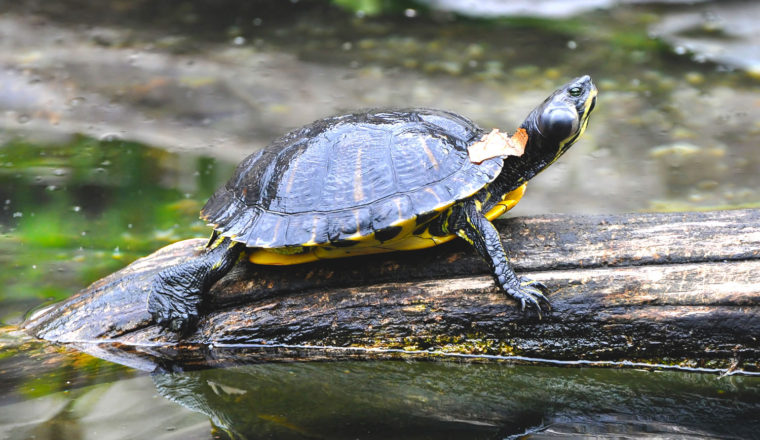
[664,288]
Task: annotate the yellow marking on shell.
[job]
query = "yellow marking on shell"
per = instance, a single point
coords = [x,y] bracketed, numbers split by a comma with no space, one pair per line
[292,176]
[312,240]
[407,228]
[276,227]
[357,236]
[288,250]
[401,218]
[413,242]
[367,245]
[508,201]
[433,193]
[430,154]
[358,190]
[269,258]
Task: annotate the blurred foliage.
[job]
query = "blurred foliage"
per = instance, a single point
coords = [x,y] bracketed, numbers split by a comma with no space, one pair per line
[84,208]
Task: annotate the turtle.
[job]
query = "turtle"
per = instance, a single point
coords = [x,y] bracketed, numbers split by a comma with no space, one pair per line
[370,182]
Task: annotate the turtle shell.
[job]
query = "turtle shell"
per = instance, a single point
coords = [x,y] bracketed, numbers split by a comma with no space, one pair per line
[348,177]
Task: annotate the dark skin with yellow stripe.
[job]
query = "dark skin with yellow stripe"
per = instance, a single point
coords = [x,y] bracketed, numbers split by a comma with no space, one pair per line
[178,292]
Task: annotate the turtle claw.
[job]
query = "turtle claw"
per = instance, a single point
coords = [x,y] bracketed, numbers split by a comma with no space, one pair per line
[174,305]
[531,293]
[179,324]
[176,313]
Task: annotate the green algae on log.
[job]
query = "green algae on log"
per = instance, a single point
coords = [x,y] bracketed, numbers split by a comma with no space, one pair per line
[680,288]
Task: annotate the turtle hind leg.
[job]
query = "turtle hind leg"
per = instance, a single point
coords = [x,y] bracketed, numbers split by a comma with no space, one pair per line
[178,291]
[470,224]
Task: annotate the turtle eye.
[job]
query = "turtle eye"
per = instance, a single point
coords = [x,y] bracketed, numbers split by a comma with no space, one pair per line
[575,92]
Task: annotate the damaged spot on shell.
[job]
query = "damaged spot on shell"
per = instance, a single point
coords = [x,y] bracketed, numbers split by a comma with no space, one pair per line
[496,144]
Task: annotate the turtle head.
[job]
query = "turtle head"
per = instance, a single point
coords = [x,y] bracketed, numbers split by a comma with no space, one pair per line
[558,122]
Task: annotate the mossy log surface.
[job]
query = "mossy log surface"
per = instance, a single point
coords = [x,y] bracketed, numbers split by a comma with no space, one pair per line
[679,288]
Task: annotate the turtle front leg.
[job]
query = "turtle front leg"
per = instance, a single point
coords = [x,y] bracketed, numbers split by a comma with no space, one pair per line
[469,223]
[178,291]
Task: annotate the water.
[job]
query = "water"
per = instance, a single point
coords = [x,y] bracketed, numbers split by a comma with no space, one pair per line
[118,121]
[67,394]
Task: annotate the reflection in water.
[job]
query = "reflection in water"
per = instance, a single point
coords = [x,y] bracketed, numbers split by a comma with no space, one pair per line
[394,399]
[264,394]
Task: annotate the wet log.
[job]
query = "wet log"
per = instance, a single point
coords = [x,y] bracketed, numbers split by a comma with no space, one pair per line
[657,287]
